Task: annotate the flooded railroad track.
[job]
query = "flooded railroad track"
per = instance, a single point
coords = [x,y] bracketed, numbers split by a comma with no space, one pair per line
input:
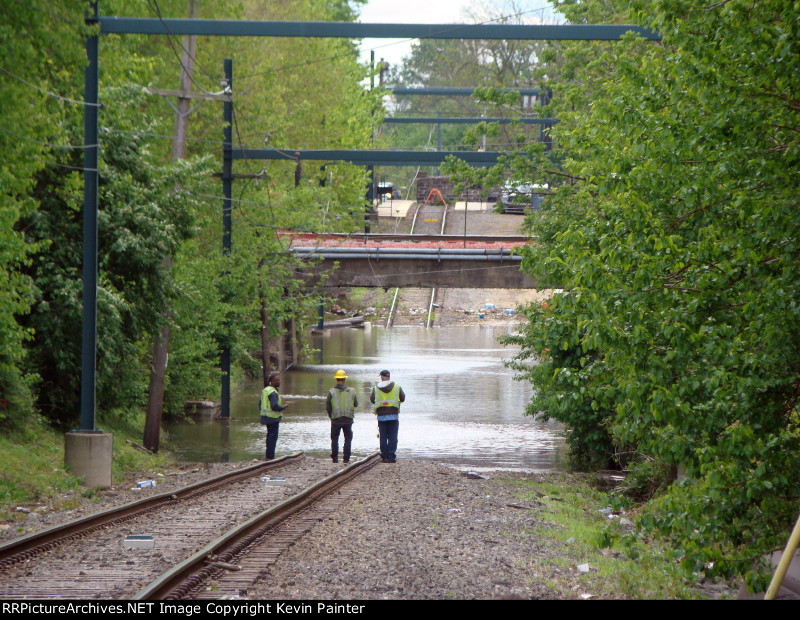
[86,558]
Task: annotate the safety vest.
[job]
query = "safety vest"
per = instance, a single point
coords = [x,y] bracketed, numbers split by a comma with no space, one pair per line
[342,403]
[266,408]
[387,399]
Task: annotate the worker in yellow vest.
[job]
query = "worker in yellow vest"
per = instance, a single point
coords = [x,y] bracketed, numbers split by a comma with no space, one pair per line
[341,406]
[272,407]
[387,396]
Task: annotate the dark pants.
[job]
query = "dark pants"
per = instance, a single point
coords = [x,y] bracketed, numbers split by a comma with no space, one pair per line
[347,429]
[272,438]
[388,439]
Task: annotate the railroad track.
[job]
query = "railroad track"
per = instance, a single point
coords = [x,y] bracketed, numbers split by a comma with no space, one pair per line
[429,223]
[237,559]
[86,558]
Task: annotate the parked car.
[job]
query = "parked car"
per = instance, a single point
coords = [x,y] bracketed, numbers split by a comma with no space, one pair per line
[517,197]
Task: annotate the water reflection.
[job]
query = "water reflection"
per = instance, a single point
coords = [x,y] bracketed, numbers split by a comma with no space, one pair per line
[462,406]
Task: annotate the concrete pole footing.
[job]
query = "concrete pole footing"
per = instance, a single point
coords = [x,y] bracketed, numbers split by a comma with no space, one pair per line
[88,455]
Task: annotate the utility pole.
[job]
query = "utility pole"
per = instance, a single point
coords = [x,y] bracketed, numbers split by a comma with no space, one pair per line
[158,369]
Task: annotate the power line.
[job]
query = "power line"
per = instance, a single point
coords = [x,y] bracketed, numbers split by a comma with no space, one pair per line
[289,152]
[52,146]
[47,92]
[55,163]
[170,35]
[194,58]
[262,204]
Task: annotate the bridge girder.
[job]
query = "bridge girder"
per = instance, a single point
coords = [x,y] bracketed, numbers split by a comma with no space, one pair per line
[421,273]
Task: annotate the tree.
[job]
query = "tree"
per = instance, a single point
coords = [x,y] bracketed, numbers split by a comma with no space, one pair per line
[675,239]
[277,86]
[142,218]
[40,48]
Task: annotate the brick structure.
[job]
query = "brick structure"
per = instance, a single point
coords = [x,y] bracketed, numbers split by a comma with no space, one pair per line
[425,184]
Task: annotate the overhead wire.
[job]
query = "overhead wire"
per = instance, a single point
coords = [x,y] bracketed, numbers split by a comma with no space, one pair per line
[170,36]
[153,4]
[288,152]
[47,92]
[47,144]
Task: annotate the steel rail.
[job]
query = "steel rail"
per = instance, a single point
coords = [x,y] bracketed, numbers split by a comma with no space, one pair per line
[428,320]
[392,310]
[21,549]
[192,572]
[389,319]
[414,221]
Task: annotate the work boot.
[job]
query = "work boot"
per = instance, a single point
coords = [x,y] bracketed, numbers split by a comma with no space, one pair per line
[335,459]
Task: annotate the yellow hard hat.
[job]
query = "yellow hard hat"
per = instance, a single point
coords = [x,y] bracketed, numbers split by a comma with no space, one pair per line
[340,374]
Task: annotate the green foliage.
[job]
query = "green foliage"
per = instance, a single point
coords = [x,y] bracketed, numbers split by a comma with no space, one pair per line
[276,85]
[672,229]
[142,218]
[568,371]
[623,564]
[40,46]
[34,471]
[159,224]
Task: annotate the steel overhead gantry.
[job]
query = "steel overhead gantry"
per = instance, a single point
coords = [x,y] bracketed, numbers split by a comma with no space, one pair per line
[546,123]
[370,157]
[351,30]
[247,28]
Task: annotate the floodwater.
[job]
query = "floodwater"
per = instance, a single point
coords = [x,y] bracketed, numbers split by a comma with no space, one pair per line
[463,407]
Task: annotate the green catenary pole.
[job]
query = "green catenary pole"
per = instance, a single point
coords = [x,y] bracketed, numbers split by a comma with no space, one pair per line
[89,337]
[227,206]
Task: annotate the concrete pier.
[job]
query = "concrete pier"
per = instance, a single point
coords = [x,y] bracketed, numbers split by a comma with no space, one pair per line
[88,455]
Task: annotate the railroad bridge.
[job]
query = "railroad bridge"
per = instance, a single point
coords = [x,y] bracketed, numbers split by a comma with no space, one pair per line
[440,261]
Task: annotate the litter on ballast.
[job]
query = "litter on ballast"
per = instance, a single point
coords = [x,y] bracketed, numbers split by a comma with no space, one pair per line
[138,541]
[276,480]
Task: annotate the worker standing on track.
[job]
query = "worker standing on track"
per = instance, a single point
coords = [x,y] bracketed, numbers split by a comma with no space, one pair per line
[272,407]
[387,396]
[341,407]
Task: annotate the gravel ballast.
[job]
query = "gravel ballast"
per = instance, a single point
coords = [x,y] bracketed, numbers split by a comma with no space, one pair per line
[419,530]
[411,530]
